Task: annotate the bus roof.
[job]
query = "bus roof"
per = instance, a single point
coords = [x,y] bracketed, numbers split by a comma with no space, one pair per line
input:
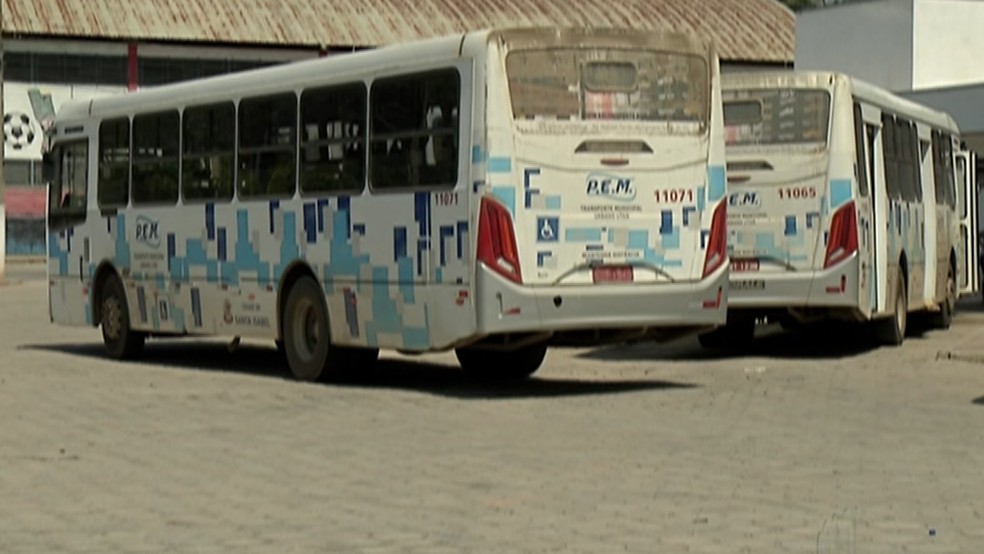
[267,80]
[828,79]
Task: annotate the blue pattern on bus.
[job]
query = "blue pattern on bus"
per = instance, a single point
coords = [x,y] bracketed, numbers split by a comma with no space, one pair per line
[840,192]
[716,183]
[499,165]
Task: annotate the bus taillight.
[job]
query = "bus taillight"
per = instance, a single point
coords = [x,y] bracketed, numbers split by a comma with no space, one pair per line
[843,239]
[497,241]
[717,246]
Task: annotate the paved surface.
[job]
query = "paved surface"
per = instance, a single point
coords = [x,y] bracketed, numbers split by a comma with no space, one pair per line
[802,444]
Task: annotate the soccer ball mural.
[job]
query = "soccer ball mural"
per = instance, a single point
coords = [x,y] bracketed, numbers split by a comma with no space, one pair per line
[18,130]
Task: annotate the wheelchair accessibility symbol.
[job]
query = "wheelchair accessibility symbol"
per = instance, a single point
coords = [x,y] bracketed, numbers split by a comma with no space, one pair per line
[547,229]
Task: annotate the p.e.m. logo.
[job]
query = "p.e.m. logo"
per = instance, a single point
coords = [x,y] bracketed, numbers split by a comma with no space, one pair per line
[613,187]
[146,232]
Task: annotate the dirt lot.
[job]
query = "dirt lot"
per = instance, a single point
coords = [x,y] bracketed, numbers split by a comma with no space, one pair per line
[798,445]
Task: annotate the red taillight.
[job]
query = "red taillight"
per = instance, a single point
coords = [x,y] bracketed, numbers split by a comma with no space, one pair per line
[717,245]
[843,239]
[497,240]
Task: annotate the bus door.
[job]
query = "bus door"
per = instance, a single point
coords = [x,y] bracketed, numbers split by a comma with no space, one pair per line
[67,173]
[865,135]
[967,214]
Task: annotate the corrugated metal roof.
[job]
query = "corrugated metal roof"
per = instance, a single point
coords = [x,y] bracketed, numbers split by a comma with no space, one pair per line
[744,30]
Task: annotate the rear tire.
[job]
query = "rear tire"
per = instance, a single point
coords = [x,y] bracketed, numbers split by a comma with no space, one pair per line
[891,331]
[306,336]
[943,318]
[121,341]
[502,365]
[731,336]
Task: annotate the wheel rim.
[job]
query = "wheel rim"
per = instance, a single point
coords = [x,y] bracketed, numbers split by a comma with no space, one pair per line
[112,320]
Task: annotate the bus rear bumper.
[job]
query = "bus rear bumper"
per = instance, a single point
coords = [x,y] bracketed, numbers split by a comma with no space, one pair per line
[505,307]
[836,287]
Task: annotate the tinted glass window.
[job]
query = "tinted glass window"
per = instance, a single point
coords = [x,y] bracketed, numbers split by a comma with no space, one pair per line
[267,146]
[333,139]
[114,162]
[415,131]
[155,158]
[69,184]
[209,138]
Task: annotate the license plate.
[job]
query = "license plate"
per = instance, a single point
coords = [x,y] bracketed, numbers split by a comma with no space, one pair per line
[612,274]
[744,265]
[748,285]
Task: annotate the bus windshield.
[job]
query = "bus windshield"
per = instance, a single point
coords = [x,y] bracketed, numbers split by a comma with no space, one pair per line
[579,84]
[776,116]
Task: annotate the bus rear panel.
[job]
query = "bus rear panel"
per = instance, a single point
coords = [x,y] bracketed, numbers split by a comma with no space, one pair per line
[605,161]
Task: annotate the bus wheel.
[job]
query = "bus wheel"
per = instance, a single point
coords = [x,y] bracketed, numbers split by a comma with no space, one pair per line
[502,365]
[891,331]
[121,340]
[306,336]
[944,317]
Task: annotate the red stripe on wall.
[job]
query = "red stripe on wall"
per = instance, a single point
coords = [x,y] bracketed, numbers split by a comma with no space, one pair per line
[24,202]
[131,67]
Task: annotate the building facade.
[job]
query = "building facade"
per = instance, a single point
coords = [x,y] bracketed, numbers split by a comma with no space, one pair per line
[925,50]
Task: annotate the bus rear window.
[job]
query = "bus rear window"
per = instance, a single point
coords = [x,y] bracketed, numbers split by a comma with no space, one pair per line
[589,84]
[776,116]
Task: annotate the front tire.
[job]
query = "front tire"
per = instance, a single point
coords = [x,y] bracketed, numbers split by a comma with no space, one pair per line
[502,365]
[121,341]
[891,331]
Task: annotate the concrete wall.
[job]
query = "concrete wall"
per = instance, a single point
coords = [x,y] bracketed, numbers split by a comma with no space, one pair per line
[947,43]
[872,40]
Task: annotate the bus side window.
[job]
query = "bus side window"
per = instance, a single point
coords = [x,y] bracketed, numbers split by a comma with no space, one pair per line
[891,163]
[114,163]
[209,146]
[69,188]
[860,165]
[155,158]
[268,146]
[414,130]
[333,139]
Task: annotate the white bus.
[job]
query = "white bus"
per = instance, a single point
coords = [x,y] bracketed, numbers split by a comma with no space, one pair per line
[845,201]
[492,192]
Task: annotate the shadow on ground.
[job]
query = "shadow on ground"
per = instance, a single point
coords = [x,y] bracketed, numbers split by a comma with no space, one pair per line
[388,373]
[818,341]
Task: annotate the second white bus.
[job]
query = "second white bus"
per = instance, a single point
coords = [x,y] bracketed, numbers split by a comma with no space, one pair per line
[845,201]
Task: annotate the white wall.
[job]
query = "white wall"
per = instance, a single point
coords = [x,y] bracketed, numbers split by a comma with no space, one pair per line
[947,43]
[871,40]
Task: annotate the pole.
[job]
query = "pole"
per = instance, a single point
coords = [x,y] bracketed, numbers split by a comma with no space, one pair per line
[3,188]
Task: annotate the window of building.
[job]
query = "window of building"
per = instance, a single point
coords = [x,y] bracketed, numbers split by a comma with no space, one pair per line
[333,139]
[114,162]
[414,140]
[209,150]
[267,146]
[155,158]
